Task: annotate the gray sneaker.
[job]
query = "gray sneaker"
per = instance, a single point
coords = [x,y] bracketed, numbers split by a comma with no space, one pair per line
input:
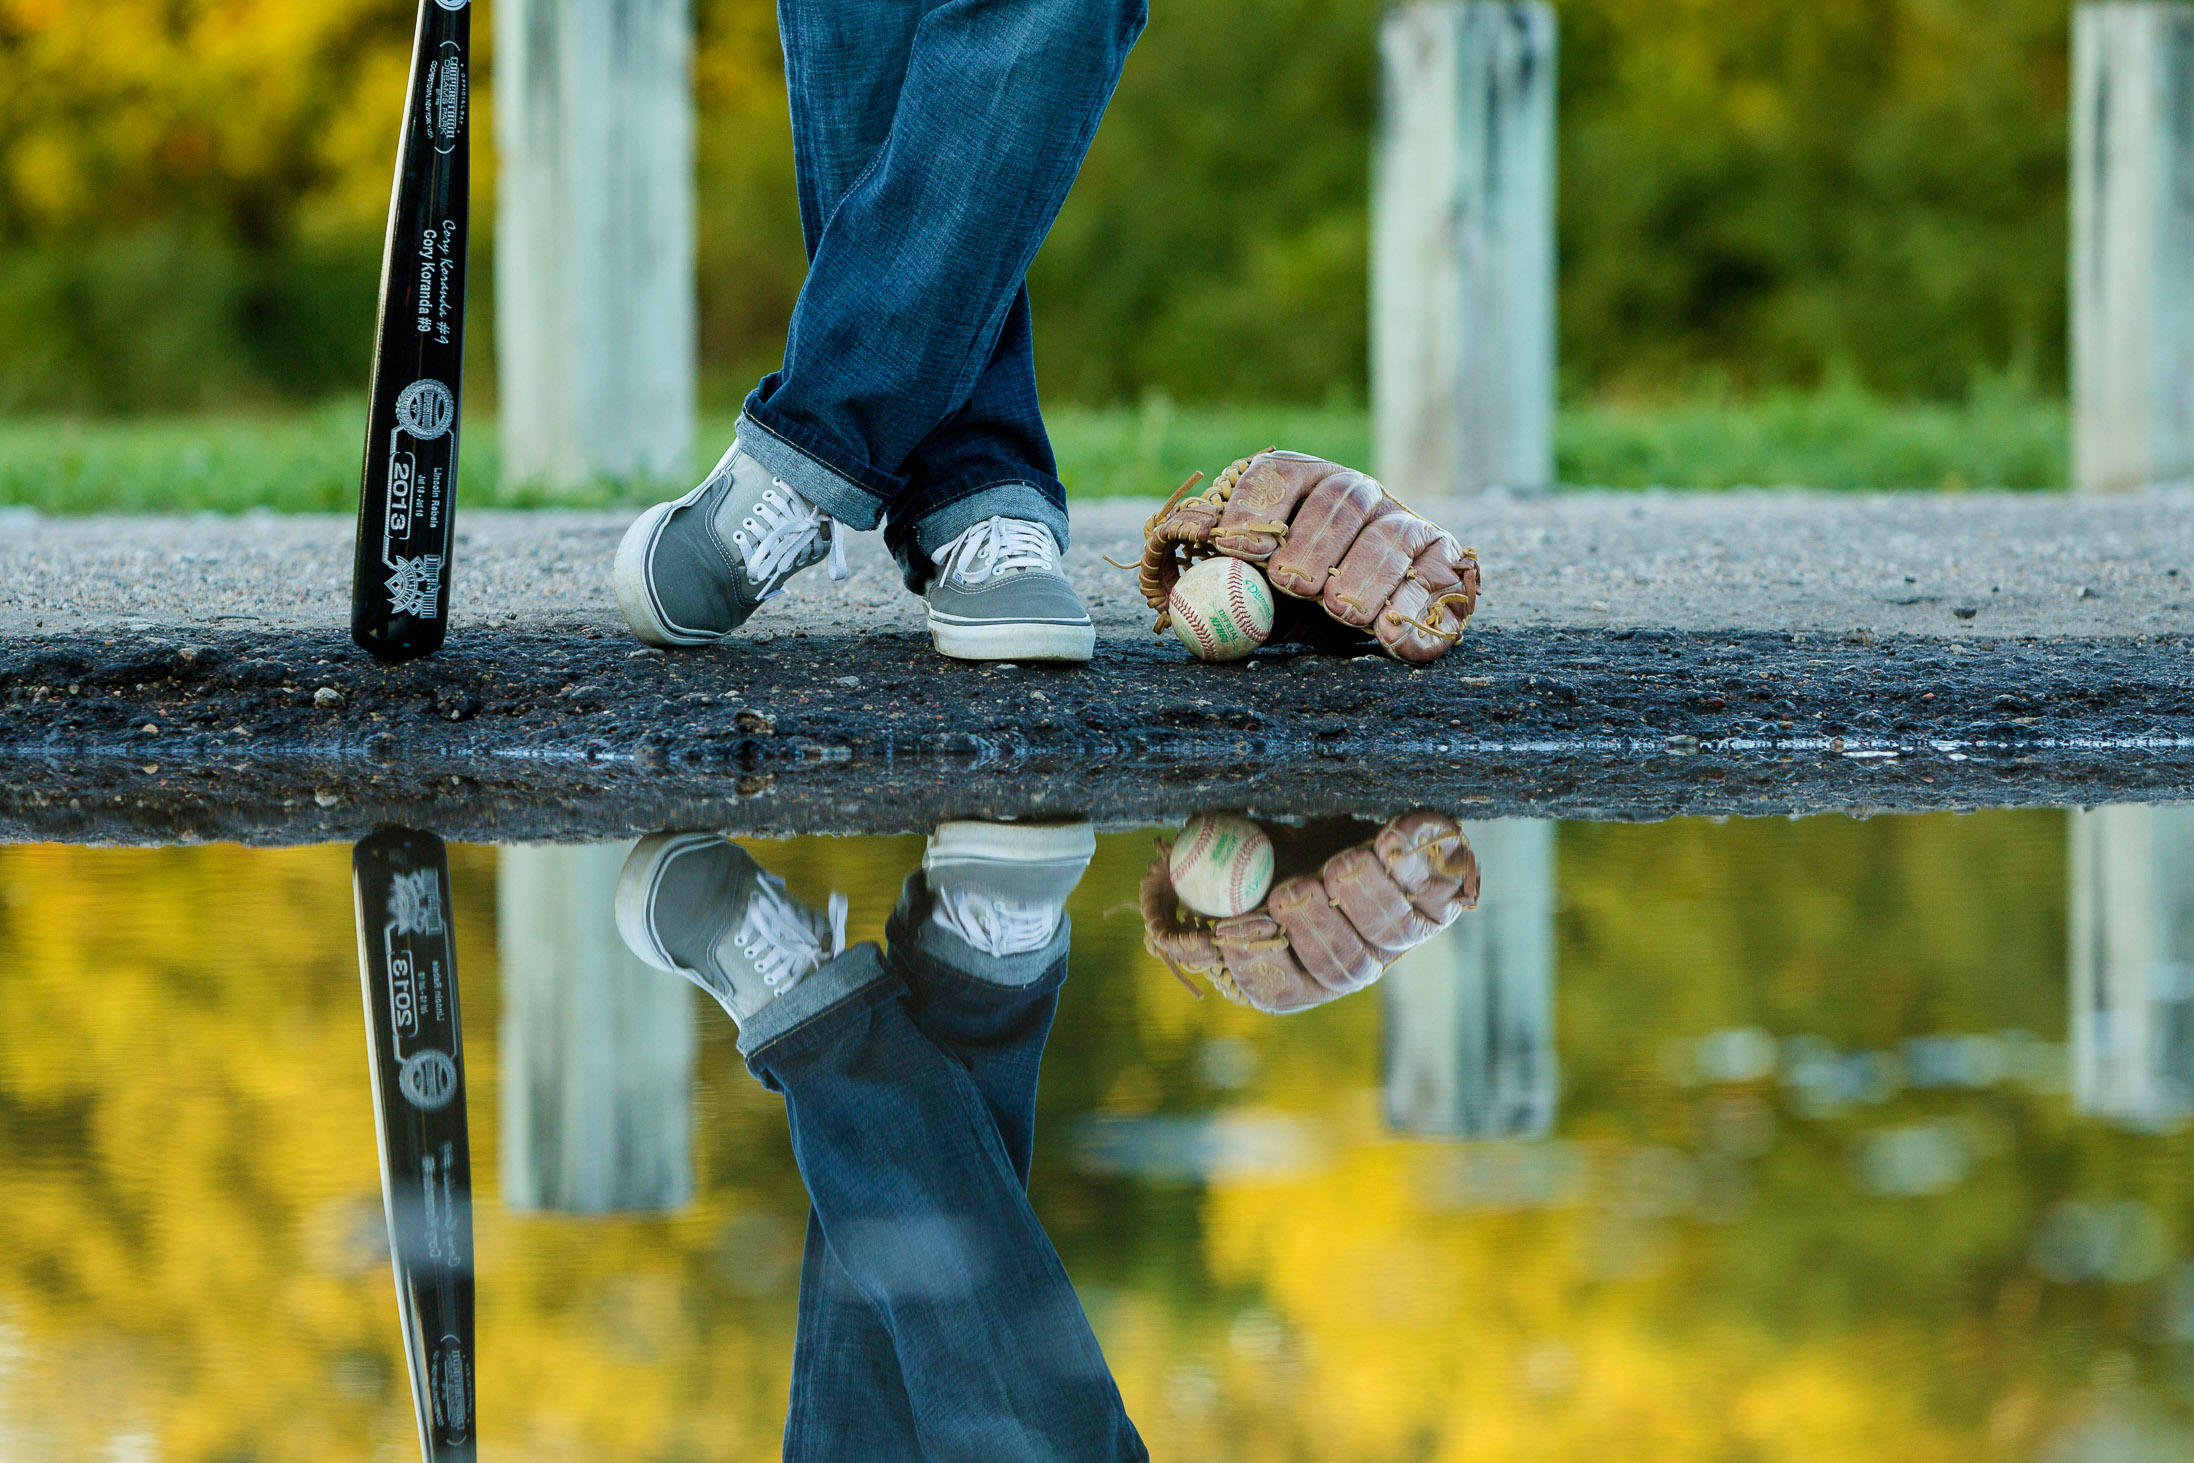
[698,905]
[998,595]
[1003,887]
[691,571]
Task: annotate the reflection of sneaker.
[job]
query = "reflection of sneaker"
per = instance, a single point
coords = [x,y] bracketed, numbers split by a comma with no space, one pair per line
[1003,887]
[698,905]
[998,595]
[690,572]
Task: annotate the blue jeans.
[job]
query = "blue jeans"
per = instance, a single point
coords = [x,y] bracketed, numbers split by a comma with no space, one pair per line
[936,1321]
[934,141]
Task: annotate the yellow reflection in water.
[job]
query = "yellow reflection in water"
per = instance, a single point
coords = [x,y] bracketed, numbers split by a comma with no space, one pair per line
[192,1267]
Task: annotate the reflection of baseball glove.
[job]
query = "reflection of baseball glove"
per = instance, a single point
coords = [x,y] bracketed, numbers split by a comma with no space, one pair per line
[1325,533]
[1322,934]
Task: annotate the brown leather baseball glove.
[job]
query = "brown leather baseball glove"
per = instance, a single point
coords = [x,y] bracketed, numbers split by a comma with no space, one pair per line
[1327,534]
[1326,932]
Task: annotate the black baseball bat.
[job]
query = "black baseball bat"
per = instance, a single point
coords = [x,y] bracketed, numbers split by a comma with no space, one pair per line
[407,963]
[407,496]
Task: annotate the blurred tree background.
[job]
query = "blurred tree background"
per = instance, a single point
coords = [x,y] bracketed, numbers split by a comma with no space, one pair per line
[1757,196]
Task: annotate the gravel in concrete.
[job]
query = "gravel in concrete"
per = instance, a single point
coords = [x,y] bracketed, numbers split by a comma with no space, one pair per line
[1965,565]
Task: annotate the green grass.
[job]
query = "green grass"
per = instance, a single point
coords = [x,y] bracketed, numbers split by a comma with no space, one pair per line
[2002,436]
[1837,439]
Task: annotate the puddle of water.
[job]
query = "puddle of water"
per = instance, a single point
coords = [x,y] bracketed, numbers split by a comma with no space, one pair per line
[1827,1139]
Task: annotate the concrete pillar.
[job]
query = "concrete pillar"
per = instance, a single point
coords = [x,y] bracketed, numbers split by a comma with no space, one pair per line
[2132,1026]
[1462,288]
[1470,1013]
[597,1049]
[594,297]
[2132,245]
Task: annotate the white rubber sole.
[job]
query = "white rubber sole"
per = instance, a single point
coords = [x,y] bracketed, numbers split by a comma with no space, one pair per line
[1013,641]
[636,883]
[1023,843]
[630,575]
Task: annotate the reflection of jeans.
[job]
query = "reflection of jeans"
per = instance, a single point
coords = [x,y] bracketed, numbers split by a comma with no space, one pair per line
[936,1320]
[934,142]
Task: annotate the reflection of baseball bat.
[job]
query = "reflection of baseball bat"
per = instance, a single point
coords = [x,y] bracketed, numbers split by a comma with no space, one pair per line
[399,587]
[408,963]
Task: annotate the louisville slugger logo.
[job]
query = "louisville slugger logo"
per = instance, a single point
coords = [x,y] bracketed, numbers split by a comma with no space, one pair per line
[446,93]
[451,1389]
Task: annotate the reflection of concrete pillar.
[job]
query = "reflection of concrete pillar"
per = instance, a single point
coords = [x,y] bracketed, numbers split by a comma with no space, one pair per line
[597,1048]
[1462,288]
[2132,245]
[2133,965]
[1470,1014]
[594,300]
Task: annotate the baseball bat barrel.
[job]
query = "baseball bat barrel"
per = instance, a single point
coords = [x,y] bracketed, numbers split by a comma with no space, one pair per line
[408,966]
[407,497]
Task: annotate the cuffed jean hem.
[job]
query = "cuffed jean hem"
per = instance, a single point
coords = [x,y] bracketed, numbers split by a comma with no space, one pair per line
[841,980]
[853,496]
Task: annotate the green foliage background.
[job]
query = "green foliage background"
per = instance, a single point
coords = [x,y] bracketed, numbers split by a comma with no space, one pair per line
[1756,194]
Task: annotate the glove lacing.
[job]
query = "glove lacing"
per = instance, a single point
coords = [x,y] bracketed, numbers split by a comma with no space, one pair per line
[1180,554]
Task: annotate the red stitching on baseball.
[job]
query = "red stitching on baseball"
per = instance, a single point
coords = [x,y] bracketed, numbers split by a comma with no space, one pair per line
[1197,625]
[1204,635]
[1240,882]
[1206,832]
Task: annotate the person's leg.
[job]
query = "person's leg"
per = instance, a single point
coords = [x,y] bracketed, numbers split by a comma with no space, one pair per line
[845,64]
[997,440]
[849,1398]
[921,265]
[943,432]
[981,937]
[915,1152]
[909,384]
[849,1401]
[920,1209]
[691,571]
[991,1007]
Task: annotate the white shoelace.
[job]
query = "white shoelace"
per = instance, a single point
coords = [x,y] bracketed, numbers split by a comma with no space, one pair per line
[780,943]
[782,528]
[998,546]
[994,926]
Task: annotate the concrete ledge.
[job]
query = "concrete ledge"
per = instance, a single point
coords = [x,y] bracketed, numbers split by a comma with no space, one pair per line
[519,731]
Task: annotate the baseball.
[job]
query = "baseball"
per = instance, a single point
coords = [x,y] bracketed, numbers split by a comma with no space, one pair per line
[1221,609]
[1221,864]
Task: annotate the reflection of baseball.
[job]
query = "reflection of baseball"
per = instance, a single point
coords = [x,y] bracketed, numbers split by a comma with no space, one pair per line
[1221,864]
[1221,609]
